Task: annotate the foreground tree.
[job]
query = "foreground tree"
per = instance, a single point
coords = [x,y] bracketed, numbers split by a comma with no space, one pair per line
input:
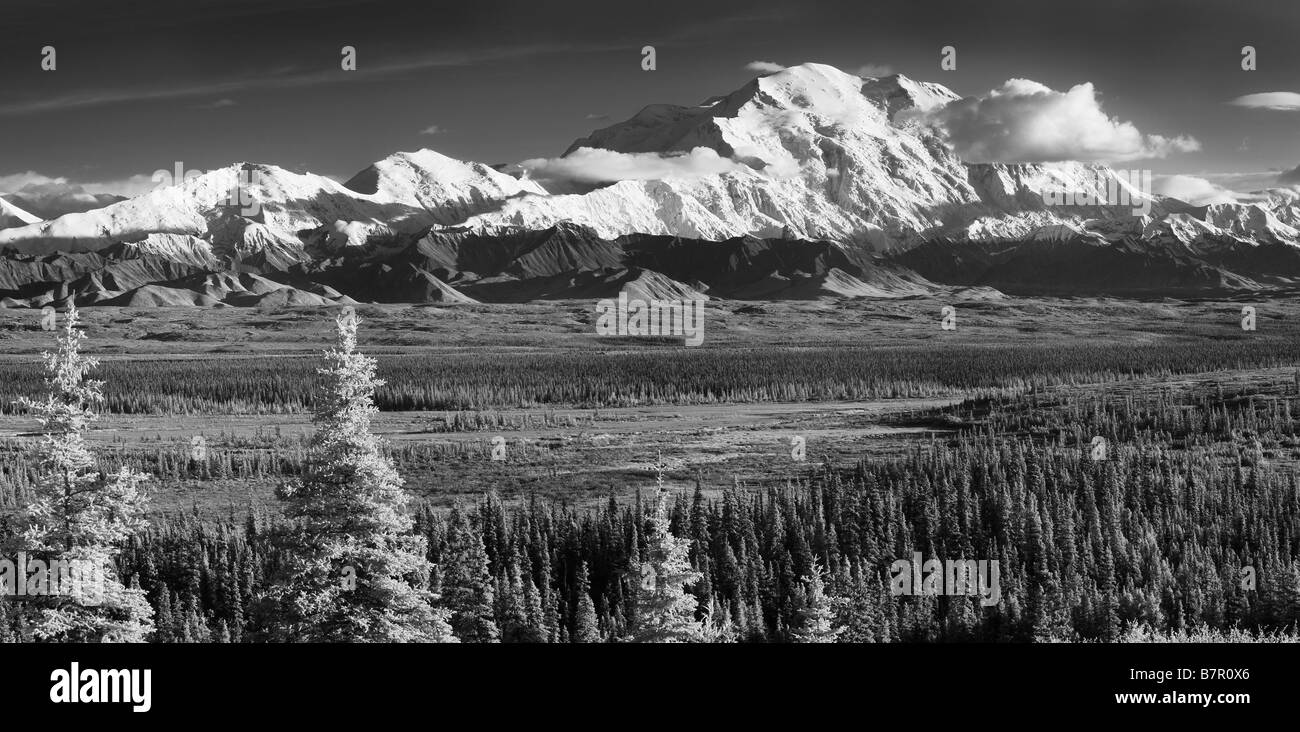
[816,612]
[665,611]
[77,518]
[353,572]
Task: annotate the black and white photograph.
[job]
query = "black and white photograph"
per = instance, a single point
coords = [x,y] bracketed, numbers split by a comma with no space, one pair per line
[935,335]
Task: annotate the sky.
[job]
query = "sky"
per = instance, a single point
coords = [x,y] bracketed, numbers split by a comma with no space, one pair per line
[150,84]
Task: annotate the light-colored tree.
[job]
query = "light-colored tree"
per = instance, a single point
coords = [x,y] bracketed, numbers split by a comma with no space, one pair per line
[354,571]
[78,518]
[665,611]
[816,611]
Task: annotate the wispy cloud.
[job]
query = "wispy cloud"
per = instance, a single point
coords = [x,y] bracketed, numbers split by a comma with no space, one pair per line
[1289,177]
[764,67]
[711,29]
[294,77]
[1280,101]
[217,104]
[432,130]
[285,79]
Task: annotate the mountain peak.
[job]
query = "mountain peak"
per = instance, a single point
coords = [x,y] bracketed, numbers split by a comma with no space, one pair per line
[814,95]
[896,93]
[450,189]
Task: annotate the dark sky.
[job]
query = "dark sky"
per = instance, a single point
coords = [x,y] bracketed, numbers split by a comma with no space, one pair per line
[141,85]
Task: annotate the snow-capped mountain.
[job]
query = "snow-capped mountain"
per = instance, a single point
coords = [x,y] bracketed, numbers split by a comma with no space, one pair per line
[218,207]
[809,154]
[449,189]
[815,153]
[821,154]
[246,208]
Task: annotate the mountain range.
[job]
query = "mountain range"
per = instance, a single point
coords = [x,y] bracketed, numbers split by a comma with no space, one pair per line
[805,183]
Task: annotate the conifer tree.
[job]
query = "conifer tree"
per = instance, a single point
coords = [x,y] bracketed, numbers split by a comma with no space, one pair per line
[467,582]
[354,571]
[163,620]
[77,516]
[815,614]
[516,607]
[665,611]
[586,627]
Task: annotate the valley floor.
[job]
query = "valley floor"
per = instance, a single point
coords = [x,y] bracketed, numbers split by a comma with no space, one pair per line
[583,453]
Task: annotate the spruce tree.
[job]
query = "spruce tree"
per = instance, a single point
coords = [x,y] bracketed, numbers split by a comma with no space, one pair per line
[77,516]
[815,613]
[665,611]
[354,571]
[586,628]
[467,582]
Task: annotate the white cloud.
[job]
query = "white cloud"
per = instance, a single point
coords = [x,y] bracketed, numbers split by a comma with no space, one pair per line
[1192,189]
[764,67]
[432,130]
[52,196]
[14,182]
[1204,187]
[594,116]
[1024,121]
[590,166]
[874,70]
[32,182]
[1280,101]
